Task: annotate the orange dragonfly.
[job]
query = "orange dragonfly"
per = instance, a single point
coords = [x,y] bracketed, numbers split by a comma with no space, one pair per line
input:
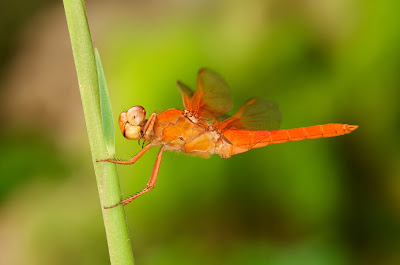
[199,129]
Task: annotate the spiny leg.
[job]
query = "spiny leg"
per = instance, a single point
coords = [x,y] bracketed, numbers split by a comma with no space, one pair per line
[148,128]
[132,160]
[150,184]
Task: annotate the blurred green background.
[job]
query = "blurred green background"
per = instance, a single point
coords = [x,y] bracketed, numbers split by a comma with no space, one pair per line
[326,201]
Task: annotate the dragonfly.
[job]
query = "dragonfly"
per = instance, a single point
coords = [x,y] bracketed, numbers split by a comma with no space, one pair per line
[203,128]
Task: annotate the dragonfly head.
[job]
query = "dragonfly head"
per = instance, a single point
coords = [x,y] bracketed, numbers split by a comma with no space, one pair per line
[132,122]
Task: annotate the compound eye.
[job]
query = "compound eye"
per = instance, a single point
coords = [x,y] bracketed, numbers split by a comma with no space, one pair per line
[136,115]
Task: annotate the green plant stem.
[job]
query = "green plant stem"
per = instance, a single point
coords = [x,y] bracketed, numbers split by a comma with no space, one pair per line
[106,174]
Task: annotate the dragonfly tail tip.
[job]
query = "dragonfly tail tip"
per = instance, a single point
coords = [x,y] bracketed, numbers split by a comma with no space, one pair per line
[352,127]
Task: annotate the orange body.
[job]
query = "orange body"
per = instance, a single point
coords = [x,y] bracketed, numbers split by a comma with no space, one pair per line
[243,140]
[199,129]
[180,134]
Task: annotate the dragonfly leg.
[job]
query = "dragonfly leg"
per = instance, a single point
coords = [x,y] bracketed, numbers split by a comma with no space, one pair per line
[150,184]
[132,160]
[148,128]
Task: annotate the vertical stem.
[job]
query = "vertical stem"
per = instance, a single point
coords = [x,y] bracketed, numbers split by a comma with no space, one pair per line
[106,174]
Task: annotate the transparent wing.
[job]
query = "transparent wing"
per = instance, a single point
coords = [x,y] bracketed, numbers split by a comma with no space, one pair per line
[187,94]
[255,115]
[212,97]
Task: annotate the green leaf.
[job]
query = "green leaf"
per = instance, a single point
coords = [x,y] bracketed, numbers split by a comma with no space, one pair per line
[105,106]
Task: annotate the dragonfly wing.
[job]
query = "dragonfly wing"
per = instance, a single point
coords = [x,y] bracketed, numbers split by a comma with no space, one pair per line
[187,94]
[212,97]
[255,115]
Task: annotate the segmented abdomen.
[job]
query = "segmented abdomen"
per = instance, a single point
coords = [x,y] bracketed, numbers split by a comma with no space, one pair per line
[311,132]
[254,139]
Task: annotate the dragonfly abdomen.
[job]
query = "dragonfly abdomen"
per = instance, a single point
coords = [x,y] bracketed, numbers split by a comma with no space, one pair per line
[311,132]
[244,140]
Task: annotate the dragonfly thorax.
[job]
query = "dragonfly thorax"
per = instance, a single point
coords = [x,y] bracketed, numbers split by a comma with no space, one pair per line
[191,116]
